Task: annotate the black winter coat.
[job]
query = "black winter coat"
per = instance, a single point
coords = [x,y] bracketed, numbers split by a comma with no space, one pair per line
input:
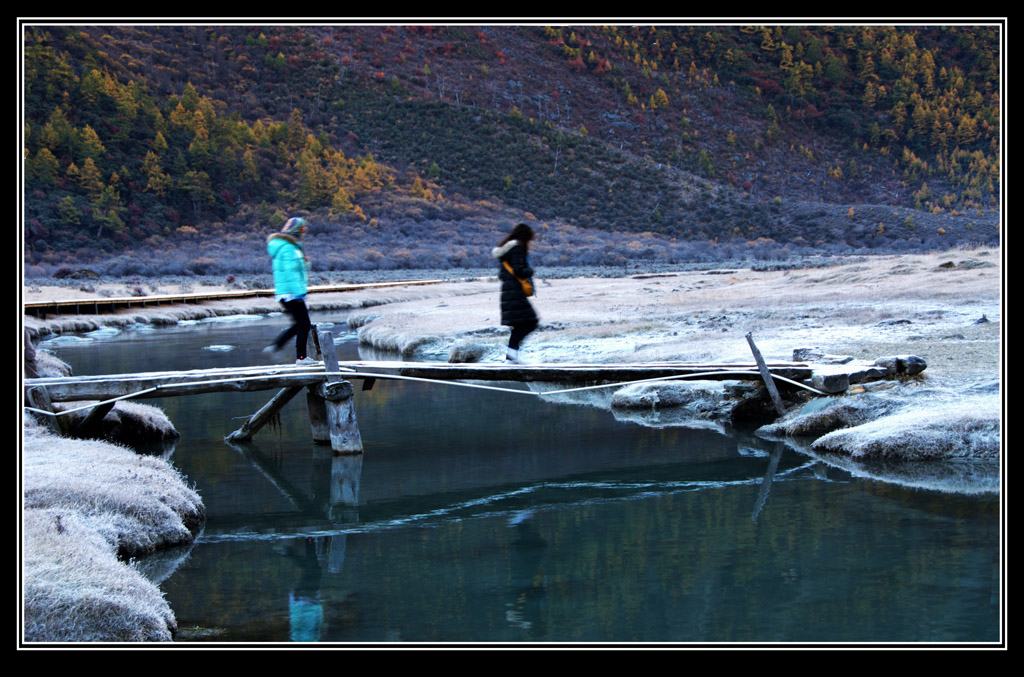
[515,307]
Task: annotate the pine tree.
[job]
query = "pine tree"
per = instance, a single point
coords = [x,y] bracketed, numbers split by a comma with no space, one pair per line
[45,168]
[966,131]
[106,211]
[157,181]
[189,98]
[250,169]
[90,179]
[89,144]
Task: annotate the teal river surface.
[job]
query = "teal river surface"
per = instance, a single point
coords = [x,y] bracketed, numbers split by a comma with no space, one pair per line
[487,517]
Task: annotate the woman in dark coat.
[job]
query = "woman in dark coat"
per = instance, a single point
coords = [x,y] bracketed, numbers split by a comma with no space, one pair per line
[516,311]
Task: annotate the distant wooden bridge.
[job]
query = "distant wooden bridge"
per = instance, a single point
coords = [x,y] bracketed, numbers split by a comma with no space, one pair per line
[330,393]
[111,304]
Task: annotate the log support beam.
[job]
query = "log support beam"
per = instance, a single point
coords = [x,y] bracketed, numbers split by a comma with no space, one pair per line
[92,421]
[264,415]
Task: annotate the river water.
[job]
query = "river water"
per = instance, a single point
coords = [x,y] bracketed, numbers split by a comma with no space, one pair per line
[489,518]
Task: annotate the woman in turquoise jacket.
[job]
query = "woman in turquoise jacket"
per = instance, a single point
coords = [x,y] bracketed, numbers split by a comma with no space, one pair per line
[289,263]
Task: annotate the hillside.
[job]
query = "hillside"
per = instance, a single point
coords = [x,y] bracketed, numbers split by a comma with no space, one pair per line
[174,149]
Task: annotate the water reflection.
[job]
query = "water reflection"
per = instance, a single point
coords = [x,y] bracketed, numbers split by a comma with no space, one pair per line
[305,609]
[528,582]
[762,495]
[332,503]
[485,517]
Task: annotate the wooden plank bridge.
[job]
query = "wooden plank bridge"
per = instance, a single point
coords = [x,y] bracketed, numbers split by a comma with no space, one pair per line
[329,390]
[268,377]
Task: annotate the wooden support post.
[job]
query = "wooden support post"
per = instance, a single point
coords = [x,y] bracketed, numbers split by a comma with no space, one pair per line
[261,417]
[326,342]
[92,420]
[338,403]
[39,398]
[314,402]
[769,381]
[341,417]
[317,416]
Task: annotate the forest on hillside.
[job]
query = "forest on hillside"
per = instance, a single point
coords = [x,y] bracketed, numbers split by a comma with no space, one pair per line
[406,145]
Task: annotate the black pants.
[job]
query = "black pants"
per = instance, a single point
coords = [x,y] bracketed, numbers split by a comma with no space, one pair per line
[519,332]
[299,329]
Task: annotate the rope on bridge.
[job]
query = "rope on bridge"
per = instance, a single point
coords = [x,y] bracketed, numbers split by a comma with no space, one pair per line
[678,376]
[398,377]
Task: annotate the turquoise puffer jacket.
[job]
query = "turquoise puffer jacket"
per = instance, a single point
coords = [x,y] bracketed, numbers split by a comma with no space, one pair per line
[289,265]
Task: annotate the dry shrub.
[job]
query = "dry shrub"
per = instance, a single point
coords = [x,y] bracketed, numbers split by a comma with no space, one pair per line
[48,364]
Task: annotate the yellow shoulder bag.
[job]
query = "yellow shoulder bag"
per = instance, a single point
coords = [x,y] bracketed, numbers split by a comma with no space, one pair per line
[527,285]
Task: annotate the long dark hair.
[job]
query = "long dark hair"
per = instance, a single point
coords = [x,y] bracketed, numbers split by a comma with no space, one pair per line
[521,232]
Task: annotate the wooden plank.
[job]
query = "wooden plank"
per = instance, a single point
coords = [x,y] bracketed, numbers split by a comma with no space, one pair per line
[185,374]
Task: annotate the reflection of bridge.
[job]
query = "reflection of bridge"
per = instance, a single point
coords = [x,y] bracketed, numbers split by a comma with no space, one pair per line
[329,391]
[330,505]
